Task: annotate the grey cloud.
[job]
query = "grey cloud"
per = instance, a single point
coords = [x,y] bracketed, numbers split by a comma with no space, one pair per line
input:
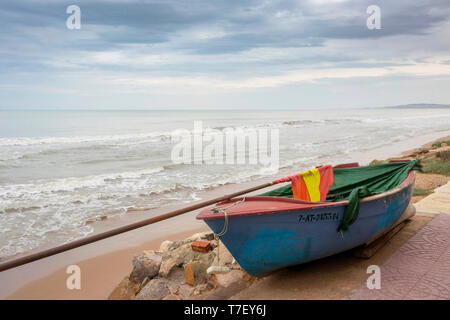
[247,21]
[36,33]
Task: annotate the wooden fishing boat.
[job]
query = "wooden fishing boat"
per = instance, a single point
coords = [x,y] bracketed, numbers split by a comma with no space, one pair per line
[266,233]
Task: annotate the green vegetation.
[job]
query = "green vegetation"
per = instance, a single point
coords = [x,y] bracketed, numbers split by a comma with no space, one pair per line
[422,192]
[375,162]
[444,155]
[438,165]
[438,144]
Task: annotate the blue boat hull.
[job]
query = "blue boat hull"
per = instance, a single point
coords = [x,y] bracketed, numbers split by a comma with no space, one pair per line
[262,243]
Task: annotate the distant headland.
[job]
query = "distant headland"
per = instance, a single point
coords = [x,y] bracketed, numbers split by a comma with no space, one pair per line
[420,106]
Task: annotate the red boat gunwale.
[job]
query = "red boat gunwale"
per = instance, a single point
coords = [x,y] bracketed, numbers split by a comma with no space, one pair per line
[270,205]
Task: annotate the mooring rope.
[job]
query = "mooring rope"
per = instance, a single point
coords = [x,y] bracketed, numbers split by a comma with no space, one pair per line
[224,211]
[225,225]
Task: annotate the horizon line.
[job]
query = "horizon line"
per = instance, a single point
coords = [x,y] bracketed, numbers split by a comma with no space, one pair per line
[168,109]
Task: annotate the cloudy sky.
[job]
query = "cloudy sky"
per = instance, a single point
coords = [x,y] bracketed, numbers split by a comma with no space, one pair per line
[216,54]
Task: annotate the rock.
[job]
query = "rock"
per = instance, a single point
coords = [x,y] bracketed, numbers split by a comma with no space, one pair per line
[126,290]
[156,289]
[198,290]
[172,297]
[173,287]
[176,245]
[184,254]
[144,282]
[165,246]
[176,279]
[208,235]
[177,272]
[145,265]
[185,291]
[198,236]
[166,266]
[195,273]
[226,279]
[189,273]
[177,275]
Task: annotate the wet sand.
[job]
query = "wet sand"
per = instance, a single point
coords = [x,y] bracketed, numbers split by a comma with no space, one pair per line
[105,263]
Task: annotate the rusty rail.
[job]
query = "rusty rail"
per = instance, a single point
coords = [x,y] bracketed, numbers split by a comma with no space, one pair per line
[100,236]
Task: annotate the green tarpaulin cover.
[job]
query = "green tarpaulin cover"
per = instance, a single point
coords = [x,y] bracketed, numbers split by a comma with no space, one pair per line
[352,184]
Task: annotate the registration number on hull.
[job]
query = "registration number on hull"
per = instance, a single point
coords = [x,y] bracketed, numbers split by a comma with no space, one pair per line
[318,217]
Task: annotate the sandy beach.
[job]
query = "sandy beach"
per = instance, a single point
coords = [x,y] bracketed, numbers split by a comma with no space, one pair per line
[105,263]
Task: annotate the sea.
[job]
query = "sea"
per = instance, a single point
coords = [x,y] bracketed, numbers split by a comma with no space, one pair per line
[61,170]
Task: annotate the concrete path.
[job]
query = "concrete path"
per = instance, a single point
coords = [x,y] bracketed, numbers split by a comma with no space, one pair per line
[419,270]
[438,201]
